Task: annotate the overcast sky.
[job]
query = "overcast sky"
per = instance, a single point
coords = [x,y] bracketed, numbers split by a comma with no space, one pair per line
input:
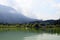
[37,9]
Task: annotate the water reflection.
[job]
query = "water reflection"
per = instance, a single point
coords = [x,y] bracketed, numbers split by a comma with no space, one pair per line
[44,36]
[13,35]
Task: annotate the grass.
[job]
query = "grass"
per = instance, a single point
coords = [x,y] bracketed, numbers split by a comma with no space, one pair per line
[18,27]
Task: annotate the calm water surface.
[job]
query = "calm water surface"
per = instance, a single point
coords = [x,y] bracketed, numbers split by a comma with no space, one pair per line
[13,35]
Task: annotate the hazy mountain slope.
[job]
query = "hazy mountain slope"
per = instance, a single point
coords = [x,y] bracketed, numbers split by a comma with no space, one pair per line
[10,15]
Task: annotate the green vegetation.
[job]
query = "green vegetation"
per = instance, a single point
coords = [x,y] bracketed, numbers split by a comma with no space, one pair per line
[36,26]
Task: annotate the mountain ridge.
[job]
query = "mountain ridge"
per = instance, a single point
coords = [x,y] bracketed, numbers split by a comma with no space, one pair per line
[10,15]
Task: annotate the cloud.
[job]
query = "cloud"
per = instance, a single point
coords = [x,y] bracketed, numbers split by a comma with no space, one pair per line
[3,2]
[38,9]
[22,5]
[46,9]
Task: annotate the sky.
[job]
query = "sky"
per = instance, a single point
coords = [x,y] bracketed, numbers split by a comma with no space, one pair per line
[37,9]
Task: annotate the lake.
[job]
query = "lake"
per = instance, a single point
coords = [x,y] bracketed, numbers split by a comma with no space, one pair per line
[20,35]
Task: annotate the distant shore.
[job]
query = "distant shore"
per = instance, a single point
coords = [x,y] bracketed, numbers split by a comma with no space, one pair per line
[30,28]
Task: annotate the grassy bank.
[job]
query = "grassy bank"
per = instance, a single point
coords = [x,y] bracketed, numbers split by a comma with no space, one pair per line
[30,28]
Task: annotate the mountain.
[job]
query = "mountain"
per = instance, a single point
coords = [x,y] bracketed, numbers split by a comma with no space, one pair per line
[10,15]
[47,22]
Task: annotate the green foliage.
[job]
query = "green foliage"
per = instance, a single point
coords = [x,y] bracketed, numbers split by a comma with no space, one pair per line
[57,22]
[36,27]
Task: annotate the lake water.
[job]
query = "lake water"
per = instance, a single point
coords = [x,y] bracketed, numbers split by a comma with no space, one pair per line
[13,35]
